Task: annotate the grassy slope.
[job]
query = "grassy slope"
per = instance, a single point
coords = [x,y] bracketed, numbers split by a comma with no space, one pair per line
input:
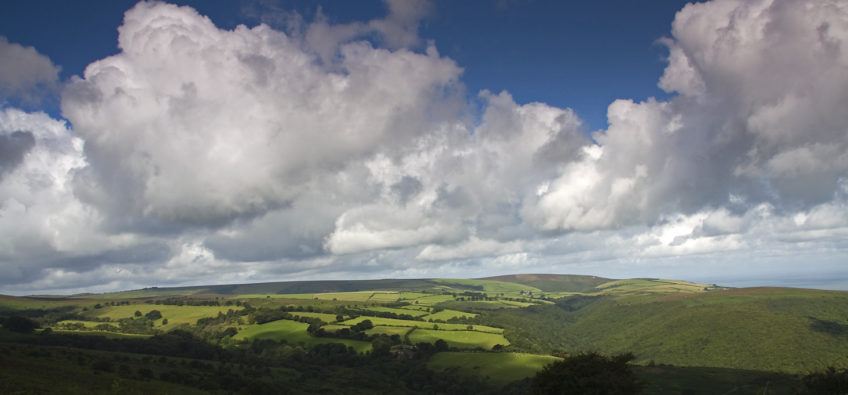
[775,329]
[57,370]
[422,324]
[499,368]
[458,339]
[176,315]
[294,332]
[553,282]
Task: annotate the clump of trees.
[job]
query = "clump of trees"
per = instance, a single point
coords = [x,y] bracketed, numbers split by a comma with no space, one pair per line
[588,373]
[829,381]
[19,324]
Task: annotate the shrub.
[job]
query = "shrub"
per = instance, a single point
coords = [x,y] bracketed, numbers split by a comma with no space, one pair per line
[588,373]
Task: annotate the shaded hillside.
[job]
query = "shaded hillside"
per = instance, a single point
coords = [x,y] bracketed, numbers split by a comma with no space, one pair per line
[776,329]
[554,282]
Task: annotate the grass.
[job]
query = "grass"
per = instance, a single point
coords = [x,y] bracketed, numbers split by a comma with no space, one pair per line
[652,286]
[361,296]
[488,286]
[274,296]
[430,300]
[176,315]
[395,310]
[421,324]
[675,380]
[58,370]
[86,324]
[11,303]
[295,333]
[325,317]
[482,305]
[458,339]
[554,282]
[384,297]
[447,314]
[498,368]
[389,330]
[116,335]
[769,329]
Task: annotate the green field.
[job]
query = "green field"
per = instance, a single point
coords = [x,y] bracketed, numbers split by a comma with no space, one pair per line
[388,330]
[489,286]
[639,286]
[395,310]
[447,314]
[384,297]
[498,368]
[325,317]
[293,332]
[430,300]
[421,324]
[176,315]
[554,282]
[483,305]
[86,324]
[458,339]
[274,296]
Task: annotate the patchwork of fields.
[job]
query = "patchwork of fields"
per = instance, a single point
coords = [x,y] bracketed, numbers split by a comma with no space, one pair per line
[502,330]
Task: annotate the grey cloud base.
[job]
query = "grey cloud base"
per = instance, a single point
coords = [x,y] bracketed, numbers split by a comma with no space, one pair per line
[204,155]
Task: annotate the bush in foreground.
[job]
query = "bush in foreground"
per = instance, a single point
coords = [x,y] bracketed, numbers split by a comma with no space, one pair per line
[830,381]
[588,373]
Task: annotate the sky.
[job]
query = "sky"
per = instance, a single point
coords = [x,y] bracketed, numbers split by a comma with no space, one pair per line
[212,142]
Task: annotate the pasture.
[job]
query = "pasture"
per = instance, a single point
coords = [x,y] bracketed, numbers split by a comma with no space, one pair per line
[458,339]
[447,314]
[498,368]
[176,315]
[293,332]
[421,324]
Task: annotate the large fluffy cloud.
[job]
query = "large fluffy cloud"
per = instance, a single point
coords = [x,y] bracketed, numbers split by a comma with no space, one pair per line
[191,124]
[759,116]
[255,154]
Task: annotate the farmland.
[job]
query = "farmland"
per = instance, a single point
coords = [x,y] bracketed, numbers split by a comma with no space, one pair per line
[501,368]
[499,330]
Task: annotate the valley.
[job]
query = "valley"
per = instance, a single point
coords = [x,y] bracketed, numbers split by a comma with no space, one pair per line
[497,332]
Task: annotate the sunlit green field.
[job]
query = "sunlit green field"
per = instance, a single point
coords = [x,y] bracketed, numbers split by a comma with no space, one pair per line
[388,330]
[325,317]
[395,310]
[117,335]
[293,332]
[459,339]
[176,315]
[422,324]
[274,296]
[445,315]
[499,368]
[430,300]
[86,324]
[384,297]
[491,287]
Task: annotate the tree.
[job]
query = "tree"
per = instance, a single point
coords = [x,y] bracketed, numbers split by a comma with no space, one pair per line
[830,381]
[153,315]
[588,373]
[137,313]
[20,324]
[164,321]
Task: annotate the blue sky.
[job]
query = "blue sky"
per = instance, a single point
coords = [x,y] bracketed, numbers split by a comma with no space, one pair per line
[159,144]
